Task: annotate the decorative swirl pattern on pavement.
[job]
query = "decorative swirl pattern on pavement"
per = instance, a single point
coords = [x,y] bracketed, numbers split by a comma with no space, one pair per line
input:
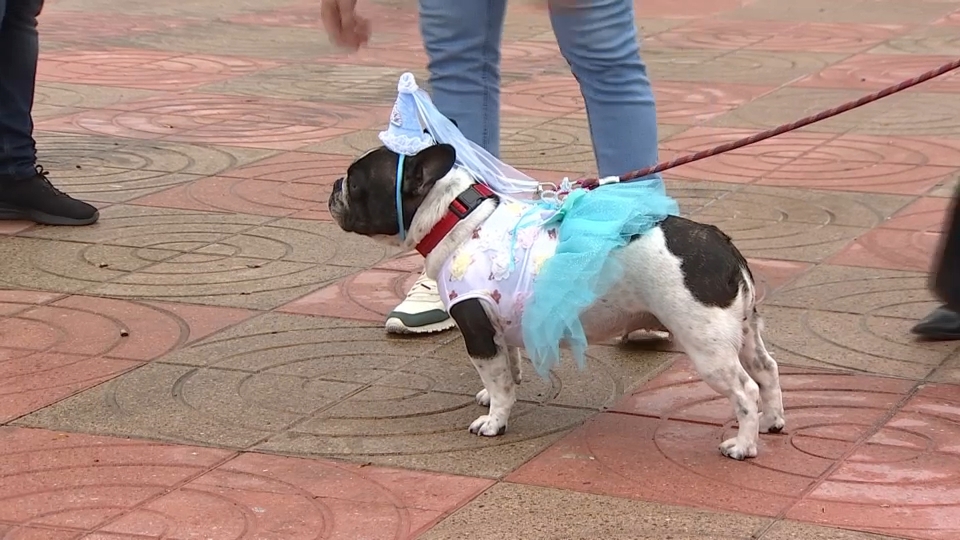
[775,36]
[64,485]
[138,68]
[195,257]
[854,446]
[863,163]
[344,392]
[54,346]
[226,120]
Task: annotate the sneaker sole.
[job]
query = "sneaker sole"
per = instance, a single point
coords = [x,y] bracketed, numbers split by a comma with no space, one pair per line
[396,326]
[7,214]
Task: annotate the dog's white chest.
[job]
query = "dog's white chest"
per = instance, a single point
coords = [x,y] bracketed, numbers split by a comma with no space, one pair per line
[500,263]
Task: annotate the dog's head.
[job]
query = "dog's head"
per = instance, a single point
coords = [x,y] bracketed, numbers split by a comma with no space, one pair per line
[365,201]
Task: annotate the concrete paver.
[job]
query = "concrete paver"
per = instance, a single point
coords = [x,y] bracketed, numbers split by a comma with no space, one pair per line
[208,360]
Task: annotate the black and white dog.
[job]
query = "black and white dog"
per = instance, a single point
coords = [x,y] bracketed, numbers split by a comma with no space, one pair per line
[683,276]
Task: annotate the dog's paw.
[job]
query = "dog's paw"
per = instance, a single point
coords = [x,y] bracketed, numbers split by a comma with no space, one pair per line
[488,426]
[483,398]
[733,449]
[771,423]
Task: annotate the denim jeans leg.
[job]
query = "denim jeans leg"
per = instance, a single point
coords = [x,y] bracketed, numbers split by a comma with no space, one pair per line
[462,40]
[599,40]
[18,73]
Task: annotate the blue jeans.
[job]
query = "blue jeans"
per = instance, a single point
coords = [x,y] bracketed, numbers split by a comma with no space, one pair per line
[19,52]
[598,39]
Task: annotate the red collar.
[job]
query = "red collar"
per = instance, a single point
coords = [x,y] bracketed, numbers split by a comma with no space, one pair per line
[460,208]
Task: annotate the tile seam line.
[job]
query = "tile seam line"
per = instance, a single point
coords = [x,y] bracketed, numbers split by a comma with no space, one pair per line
[232,455]
[882,421]
[135,364]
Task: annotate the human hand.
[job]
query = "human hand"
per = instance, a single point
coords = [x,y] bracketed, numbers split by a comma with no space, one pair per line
[344,27]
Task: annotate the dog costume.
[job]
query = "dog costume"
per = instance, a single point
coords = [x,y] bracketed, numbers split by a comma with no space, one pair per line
[539,263]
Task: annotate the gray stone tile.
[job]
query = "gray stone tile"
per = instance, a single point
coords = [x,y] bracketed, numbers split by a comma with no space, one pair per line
[861,343]
[69,267]
[425,430]
[103,169]
[862,291]
[742,66]
[793,530]
[252,41]
[609,373]
[533,513]
[240,386]
[857,12]
[790,104]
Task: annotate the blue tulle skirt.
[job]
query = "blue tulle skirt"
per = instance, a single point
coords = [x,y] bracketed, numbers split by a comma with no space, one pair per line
[590,226]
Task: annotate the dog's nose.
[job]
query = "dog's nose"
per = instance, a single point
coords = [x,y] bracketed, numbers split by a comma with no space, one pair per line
[338,184]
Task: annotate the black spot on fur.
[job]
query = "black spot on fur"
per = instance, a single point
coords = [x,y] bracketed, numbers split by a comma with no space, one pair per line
[712,266]
[476,328]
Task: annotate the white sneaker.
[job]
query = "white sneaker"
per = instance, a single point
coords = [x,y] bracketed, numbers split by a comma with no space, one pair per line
[421,312]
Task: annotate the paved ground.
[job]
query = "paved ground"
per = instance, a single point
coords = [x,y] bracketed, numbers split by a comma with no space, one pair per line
[208,362]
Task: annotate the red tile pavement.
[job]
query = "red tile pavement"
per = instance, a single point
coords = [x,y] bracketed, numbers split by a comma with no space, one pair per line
[775,36]
[909,240]
[219,119]
[290,184]
[925,214]
[869,72]
[256,197]
[894,249]
[950,20]
[687,9]
[54,484]
[859,452]
[821,161]
[297,167]
[138,68]
[905,480]
[770,274]
[677,103]
[367,296]
[52,348]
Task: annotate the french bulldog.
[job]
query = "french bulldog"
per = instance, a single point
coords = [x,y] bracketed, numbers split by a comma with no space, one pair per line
[683,276]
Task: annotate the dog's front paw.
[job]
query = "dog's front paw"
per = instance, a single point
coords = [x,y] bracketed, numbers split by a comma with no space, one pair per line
[732,448]
[488,426]
[770,423]
[483,398]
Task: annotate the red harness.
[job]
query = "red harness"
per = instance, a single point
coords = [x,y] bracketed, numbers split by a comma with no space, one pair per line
[459,209]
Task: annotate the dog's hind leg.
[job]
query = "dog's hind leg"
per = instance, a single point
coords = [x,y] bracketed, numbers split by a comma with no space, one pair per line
[763,369]
[714,351]
[497,364]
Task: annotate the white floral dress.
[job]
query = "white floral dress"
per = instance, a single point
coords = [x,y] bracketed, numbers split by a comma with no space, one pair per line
[481,267]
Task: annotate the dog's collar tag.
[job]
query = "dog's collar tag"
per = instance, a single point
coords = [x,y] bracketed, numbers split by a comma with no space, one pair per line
[461,207]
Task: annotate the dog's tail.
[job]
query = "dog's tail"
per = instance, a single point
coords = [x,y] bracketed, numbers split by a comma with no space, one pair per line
[748,292]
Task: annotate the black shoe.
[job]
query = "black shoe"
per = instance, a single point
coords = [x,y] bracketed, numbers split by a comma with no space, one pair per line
[35,199]
[942,324]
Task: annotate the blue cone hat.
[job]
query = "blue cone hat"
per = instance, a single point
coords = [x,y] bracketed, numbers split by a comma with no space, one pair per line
[404,134]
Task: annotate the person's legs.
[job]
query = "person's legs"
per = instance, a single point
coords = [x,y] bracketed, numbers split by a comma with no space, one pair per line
[944,322]
[598,38]
[462,40]
[25,192]
[18,72]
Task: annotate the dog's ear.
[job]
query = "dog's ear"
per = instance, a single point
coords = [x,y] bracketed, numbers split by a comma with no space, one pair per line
[429,165]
